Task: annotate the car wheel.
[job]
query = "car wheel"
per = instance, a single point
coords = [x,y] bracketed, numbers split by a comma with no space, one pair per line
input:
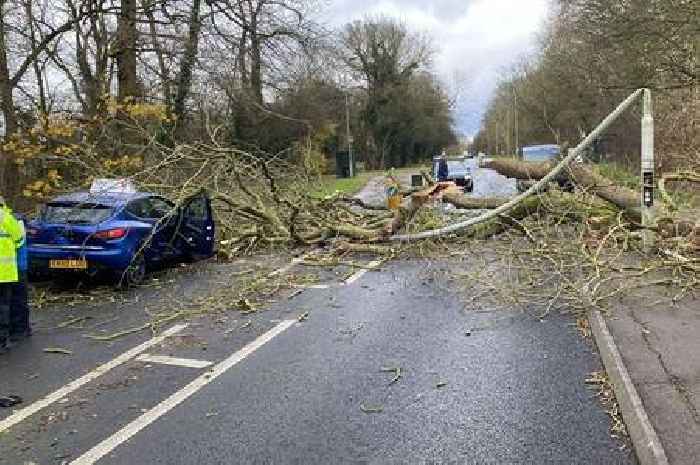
[134,274]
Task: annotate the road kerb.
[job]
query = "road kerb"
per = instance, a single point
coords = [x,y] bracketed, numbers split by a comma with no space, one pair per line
[646,442]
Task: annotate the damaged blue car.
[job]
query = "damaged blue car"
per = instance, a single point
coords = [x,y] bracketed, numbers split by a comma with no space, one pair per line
[121,233]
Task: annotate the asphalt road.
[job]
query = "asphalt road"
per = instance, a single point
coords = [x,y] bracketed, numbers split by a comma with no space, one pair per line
[381,367]
[509,393]
[486,183]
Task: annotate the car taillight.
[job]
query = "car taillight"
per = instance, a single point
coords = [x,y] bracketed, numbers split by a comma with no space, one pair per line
[116,233]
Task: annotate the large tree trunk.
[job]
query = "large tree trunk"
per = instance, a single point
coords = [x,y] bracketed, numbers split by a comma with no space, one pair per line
[460,200]
[149,5]
[582,175]
[519,169]
[8,169]
[184,82]
[256,69]
[626,199]
[7,105]
[126,51]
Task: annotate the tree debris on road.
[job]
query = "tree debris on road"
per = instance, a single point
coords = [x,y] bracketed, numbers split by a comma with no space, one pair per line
[371,408]
[57,350]
[395,370]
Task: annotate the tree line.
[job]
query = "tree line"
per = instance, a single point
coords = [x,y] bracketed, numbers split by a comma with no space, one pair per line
[261,75]
[592,54]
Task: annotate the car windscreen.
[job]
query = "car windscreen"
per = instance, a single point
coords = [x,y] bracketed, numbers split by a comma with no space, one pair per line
[457,167]
[76,213]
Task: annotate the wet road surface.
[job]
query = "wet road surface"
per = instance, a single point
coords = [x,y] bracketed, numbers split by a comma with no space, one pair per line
[386,366]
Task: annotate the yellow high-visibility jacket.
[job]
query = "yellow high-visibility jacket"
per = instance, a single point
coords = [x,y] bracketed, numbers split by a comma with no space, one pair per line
[11,238]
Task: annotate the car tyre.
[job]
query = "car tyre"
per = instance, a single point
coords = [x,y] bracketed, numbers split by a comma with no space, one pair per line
[134,274]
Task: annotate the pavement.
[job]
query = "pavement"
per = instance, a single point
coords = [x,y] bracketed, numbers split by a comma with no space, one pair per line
[660,349]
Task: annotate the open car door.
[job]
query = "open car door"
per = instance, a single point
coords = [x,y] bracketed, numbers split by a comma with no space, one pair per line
[197,227]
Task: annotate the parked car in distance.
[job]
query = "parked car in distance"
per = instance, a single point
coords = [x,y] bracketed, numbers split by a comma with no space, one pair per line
[544,152]
[458,171]
[120,233]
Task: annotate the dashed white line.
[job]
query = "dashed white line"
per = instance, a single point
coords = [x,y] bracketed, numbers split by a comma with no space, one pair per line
[174,361]
[123,435]
[360,273]
[59,394]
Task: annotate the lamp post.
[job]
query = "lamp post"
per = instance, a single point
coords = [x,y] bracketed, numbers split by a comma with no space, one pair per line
[515,118]
[349,136]
[647,197]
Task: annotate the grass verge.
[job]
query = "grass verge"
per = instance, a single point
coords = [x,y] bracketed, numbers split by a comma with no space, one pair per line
[329,184]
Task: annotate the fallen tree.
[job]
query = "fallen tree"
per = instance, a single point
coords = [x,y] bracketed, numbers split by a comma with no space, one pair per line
[669,224]
[581,175]
[267,200]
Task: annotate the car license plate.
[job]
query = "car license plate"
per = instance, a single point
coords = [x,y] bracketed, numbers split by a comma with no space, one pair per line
[69,264]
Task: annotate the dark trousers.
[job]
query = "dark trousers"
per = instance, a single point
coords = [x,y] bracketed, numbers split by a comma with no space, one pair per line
[5,304]
[19,306]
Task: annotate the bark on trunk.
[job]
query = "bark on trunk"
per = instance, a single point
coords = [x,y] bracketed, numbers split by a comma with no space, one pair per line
[8,169]
[126,52]
[160,54]
[7,105]
[460,200]
[185,79]
[582,175]
[520,169]
[626,199]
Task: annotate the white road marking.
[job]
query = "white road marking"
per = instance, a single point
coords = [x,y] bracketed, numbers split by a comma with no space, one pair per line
[62,392]
[360,273]
[175,361]
[314,286]
[126,433]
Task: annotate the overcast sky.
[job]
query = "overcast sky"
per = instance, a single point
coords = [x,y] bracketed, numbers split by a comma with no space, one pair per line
[475,40]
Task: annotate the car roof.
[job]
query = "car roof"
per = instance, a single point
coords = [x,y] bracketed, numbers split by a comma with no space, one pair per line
[110,198]
[541,147]
[450,158]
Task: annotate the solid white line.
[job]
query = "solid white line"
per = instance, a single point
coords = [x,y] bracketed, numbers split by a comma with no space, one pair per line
[360,273]
[123,435]
[59,394]
[175,361]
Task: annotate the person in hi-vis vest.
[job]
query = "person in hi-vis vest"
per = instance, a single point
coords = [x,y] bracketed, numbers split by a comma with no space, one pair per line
[11,237]
[19,305]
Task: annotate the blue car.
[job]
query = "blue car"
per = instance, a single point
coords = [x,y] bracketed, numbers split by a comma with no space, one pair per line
[120,233]
[544,152]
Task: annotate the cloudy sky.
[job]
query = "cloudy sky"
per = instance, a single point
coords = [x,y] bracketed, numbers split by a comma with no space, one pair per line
[475,40]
